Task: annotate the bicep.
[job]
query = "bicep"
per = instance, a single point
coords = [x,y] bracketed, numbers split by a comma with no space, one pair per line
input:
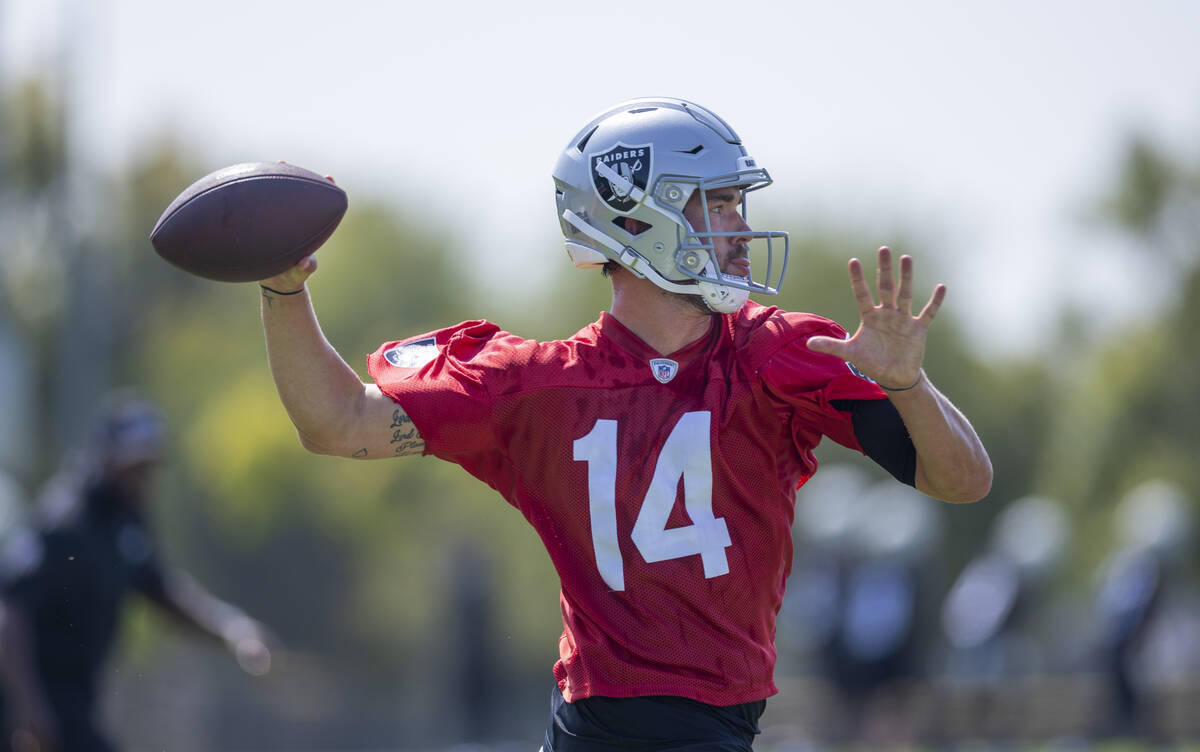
[381,428]
[369,426]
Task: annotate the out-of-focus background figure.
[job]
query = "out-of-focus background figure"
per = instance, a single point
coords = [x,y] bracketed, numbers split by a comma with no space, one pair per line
[860,592]
[1148,614]
[64,579]
[994,621]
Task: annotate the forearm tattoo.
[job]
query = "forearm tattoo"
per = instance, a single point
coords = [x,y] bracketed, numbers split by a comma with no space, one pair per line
[404,435]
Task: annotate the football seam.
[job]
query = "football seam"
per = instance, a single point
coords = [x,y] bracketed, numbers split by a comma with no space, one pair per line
[316,181]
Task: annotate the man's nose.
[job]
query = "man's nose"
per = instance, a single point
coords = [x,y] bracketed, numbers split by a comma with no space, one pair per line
[741,226]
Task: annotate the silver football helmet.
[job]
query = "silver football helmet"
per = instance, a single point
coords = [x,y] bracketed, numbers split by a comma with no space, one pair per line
[643,159]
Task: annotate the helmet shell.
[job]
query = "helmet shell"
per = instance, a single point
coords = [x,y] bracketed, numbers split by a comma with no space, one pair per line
[644,159]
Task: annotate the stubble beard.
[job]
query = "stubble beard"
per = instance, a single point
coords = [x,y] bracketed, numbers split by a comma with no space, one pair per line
[689,301]
[697,302]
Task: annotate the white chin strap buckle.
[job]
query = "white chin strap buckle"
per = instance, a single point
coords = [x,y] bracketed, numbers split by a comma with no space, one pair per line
[721,298]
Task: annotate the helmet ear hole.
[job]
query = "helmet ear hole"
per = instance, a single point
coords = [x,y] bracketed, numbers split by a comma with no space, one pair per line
[632,226]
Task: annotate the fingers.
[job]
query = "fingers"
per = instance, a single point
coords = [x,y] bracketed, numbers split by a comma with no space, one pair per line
[293,278]
[327,177]
[889,295]
[931,308]
[884,279]
[904,296]
[858,284]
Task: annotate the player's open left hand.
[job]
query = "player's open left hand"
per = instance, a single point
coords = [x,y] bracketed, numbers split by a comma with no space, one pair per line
[889,345]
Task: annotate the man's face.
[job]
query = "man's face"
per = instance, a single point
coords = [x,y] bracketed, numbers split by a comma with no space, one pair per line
[723,208]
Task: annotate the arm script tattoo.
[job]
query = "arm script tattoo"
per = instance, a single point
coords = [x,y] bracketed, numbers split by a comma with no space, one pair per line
[405,438]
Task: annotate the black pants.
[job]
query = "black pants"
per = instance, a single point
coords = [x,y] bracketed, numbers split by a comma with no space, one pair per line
[649,724]
[74,706]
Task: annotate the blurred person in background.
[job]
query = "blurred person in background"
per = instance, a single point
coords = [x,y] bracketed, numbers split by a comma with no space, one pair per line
[62,585]
[1148,614]
[993,617]
[860,589]
[880,651]
[656,452]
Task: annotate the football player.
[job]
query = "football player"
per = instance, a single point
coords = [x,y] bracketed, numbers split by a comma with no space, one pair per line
[64,584]
[657,451]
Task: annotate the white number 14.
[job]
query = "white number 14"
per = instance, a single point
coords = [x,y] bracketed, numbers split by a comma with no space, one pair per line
[685,454]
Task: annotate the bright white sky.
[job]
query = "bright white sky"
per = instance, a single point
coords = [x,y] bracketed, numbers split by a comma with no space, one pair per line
[980,127]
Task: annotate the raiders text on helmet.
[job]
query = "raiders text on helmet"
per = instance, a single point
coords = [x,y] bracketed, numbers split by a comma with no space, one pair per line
[644,159]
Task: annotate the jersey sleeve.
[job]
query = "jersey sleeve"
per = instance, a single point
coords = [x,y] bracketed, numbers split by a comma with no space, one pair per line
[817,387]
[444,380]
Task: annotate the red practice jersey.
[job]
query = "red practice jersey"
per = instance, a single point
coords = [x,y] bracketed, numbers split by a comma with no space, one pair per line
[662,487]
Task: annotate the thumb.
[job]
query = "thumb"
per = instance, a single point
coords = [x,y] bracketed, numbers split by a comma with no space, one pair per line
[827,345]
[294,278]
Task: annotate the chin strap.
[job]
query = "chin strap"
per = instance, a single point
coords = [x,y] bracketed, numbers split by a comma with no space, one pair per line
[626,256]
[721,298]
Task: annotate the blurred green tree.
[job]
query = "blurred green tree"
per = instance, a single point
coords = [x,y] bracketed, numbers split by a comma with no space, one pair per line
[1128,410]
[33,262]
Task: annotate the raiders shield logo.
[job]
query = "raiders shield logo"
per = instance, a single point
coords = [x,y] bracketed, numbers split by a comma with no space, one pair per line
[620,175]
[413,354]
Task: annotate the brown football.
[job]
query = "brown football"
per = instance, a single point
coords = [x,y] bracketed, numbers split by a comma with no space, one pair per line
[249,221]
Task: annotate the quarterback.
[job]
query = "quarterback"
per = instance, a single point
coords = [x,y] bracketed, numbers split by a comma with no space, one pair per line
[658,450]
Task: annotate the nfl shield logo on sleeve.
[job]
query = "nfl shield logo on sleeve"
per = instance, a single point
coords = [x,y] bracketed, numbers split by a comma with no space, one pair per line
[664,369]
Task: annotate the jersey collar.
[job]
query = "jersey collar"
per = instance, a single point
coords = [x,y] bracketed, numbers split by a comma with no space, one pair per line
[608,327]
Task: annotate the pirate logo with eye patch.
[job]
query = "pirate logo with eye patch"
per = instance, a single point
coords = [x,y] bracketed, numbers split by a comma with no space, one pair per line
[620,174]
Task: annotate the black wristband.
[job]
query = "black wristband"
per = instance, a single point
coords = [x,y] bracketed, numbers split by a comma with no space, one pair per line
[277,292]
[920,376]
